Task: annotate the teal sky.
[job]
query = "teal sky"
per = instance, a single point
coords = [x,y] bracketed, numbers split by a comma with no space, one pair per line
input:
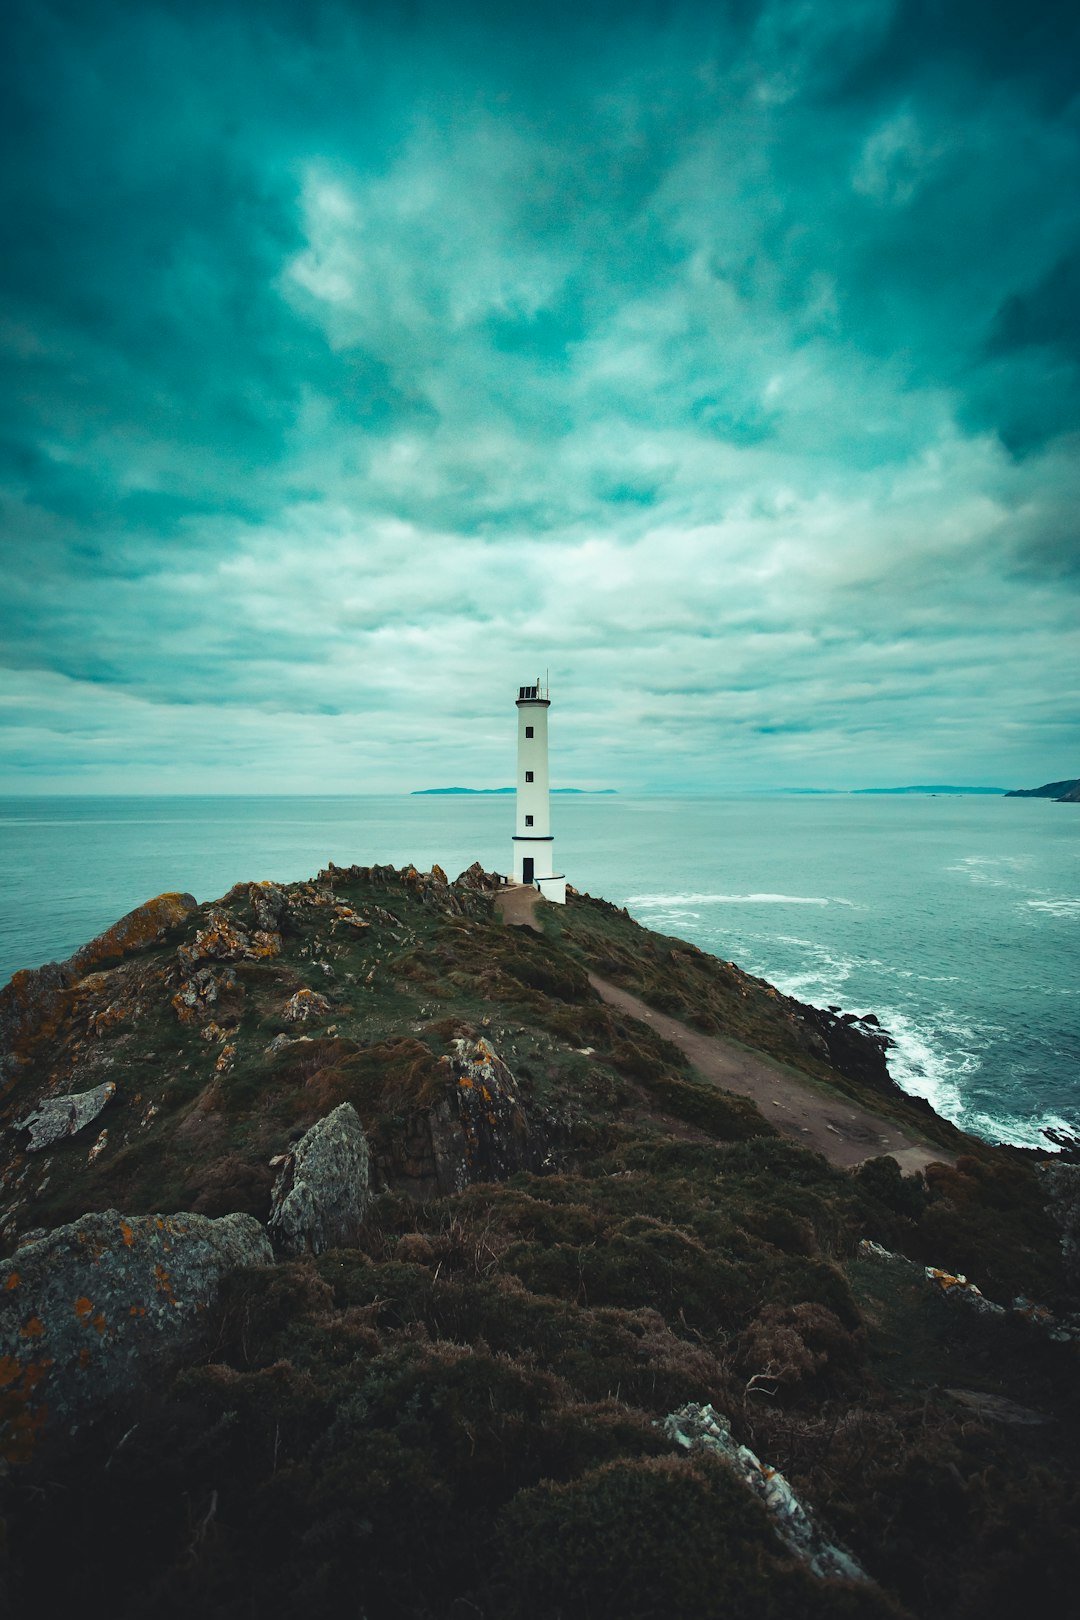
[362,360]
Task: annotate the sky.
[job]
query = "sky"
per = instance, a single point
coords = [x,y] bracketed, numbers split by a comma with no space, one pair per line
[362,361]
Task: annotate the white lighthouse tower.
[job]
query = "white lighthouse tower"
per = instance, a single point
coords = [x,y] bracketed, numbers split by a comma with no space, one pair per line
[534,846]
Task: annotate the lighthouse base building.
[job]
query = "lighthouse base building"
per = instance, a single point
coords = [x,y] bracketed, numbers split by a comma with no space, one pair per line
[534,846]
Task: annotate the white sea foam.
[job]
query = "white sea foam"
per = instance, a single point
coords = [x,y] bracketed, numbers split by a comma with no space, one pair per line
[1019,1132]
[1067,906]
[919,1065]
[994,869]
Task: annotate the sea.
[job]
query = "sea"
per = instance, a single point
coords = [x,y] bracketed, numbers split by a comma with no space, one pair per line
[955,919]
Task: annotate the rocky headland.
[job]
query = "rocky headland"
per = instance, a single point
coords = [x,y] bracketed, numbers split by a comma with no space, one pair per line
[1064,792]
[372,1246]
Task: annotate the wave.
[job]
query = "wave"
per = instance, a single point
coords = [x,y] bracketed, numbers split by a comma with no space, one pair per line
[1066,907]
[1018,1131]
[920,1067]
[988,868]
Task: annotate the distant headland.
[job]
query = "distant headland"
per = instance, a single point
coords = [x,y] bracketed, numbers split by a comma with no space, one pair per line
[932,789]
[1061,792]
[420,792]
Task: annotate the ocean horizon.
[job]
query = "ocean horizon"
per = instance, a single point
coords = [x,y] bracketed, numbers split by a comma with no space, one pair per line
[953,919]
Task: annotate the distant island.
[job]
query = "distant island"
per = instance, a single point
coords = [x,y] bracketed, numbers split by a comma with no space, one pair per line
[421,792]
[1060,792]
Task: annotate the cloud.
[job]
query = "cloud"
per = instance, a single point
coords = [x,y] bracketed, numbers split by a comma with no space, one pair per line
[724,361]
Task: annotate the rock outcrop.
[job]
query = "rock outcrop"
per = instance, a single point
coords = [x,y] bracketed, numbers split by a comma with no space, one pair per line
[474,877]
[322,1191]
[147,925]
[853,1045]
[303,1005]
[60,1117]
[700,1428]
[482,1134]
[33,999]
[89,1309]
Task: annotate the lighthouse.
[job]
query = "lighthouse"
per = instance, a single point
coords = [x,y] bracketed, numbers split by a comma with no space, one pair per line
[534,860]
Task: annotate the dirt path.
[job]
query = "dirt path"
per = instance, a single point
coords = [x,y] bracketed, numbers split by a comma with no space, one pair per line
[843,1132]
[516,904]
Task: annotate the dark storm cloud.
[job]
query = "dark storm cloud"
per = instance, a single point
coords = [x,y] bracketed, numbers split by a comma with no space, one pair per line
[358,355]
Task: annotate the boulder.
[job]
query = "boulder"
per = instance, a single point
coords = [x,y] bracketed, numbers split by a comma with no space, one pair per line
[58,1117]
[482,1134]
[147,925]
[221,940]
[303,1005]
[89,1310]
[271,907]
[323,1189]
[196,996]
[474,877]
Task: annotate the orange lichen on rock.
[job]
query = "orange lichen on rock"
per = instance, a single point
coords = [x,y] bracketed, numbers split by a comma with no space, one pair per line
[127,1232]
[108,1018]
[83,1307]
[34,1329]
[305,1004]
[144,926]
[13,1280]
[220,941]
[163,1283]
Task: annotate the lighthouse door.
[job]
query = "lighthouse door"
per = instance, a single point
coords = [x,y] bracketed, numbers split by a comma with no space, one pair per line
[527,869]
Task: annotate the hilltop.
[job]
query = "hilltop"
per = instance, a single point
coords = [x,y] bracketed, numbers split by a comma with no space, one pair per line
[375,1255]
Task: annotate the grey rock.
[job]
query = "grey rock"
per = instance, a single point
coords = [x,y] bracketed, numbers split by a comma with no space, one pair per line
[59,1117]
[323,1188]
[303,1005]
[701,1428]
[955,1286]
[270,905]
[280,1043]
[90,1309]
[482,1133]
[474,877]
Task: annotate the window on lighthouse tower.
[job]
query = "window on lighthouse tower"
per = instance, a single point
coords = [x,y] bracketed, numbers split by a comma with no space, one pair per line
[528,731]
[528,776]
[528,821]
